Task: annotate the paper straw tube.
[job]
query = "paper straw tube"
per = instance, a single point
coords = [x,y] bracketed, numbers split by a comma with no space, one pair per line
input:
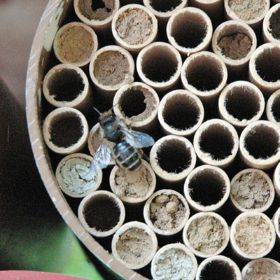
[271,31]
[276,179]
[213,8]
[276,223]
[273,107]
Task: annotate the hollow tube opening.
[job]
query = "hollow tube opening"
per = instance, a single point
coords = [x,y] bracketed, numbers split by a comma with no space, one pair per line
[218,269]
[274,22]
[165,5]
[275,108]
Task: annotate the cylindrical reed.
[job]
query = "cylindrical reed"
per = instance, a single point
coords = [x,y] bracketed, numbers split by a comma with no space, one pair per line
[206,234]
[110,68]
[213,8]
[75,43]
[134,245]
[166,212]
[134,27]
[135,186]
[216,143]
[159,65]
[218,267]
[260,144]
[189,30]
[101,213]
[252,190]
[271,30]
[264,68]
[273,107]
[252,235]
[207,188]
[137,104]
[276,179]
[173,158]
[74,176]
[204,74]
[65,131]
[241,103]
[66,85]
[276,222]
[180,113]
[174,261]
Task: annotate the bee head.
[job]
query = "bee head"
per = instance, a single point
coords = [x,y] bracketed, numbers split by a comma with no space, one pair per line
[107,118]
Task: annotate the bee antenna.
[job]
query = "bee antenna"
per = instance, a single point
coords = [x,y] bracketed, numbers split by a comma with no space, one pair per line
[96,110]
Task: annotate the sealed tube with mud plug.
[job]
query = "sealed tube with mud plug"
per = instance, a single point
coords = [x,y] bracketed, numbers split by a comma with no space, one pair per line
[213,8]
[271,30]
[273,107]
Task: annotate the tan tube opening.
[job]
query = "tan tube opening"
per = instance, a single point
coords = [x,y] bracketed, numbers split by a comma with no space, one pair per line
[273,107]
[271,31]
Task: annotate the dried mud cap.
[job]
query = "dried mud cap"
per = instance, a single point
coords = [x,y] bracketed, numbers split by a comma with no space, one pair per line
[241,103]
[134,245]
[271,30]
[98,17]
[173,158]
[252,190]
[260,144]
[206,234]
[134,27]
[207,197]
[218,267]
[166,212]
[180,113]
[75,43]
[216,143]
[204,74]
[189,30]
[101,213]
[273,107]
[252,235]
[174,260]
[65,131]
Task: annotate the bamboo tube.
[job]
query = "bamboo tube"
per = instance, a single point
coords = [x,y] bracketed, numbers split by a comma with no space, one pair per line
[75,43]
[134,245]
[134,27]
[66,85]
[133,187]
[207,188]
[252,190]
[137,104]
[101,213]
[99,16]
[276,223]
[276,179]
[213,8]
[111,68]
[252,235]
[264,68]
[159,65]
[204,74]
[271,32]
[65,131]
[234,41]
[180,113]
[189,30]
[174,261]
[241,103]
[74,178]
[218,267]
[206,234]
[273,107]
[166,212]
[173,158]
[216,143]
[260,145]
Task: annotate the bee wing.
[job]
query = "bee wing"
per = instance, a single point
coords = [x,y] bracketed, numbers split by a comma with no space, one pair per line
[101,158]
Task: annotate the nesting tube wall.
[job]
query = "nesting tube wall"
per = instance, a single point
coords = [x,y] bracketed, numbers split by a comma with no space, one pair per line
[273,107]
[276,223]
[271,32]
[276,179]
[213,8]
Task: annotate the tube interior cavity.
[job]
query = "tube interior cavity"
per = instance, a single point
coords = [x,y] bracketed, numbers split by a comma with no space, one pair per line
[165,5]
[217,269]
[275,108]
[274,24]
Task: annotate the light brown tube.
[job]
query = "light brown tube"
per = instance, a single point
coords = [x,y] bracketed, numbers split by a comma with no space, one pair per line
[276,179]
[204,74]
[276,222]
[252,190]
[74,178]
[134,27]
[213,8]
[99,18]
[189,30]
[206,234]
[101,213]
[159,65]
[234,41]
[160,209]
[207,197]
[241,103]
[218,267]
[260,145]
[137,104]
[65,131]
[271,25]
[252,235]
[134,245]
[173,158]
[216,143]
[273,107]
[264,68]
[66,85]
[75,43]
[180,113]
